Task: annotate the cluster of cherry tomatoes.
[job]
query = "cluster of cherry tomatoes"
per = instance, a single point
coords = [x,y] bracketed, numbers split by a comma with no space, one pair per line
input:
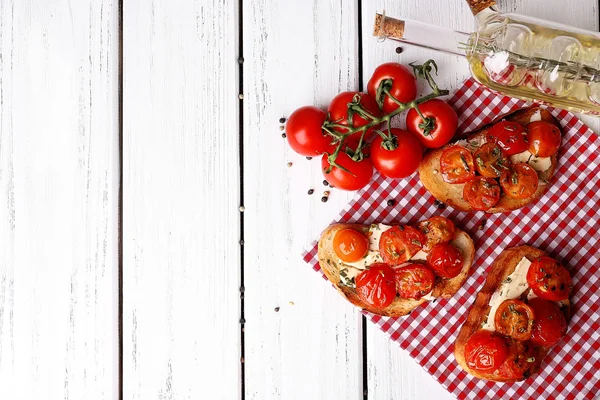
[354,135]
[521,325]
[480,170]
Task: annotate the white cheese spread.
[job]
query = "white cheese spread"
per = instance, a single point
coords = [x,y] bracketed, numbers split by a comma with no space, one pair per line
[511,288]
[473,143]
[536,116]
[540,164]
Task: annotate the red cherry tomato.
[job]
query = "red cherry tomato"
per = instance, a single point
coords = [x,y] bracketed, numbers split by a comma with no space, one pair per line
[356,177]
[414,281]
[376,286]
[399,243]
[485,351]
[340,114]
[442,127]
[549,280]
[521,357]
[445,260]
[515,319]
[549,325]
[436,230]
[402,85]
[520,181]
[456,165]
[544,138]
[490,160]
[304,133]
[482,193]
[400,162]
[350,245]
[510,136]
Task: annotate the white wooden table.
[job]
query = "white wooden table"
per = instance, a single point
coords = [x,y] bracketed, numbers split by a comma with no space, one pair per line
[130,134]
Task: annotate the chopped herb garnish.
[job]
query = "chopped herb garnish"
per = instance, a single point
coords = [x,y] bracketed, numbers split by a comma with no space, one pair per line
[508,280]
[514,178]
[464,161]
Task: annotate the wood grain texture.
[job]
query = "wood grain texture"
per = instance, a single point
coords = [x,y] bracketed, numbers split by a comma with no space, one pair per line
[392,374]
[296,53]
[59,181]
[181,222]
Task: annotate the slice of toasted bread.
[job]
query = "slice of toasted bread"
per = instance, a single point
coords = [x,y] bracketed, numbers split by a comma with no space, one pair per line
[452,194]
[504,265]
[445,288]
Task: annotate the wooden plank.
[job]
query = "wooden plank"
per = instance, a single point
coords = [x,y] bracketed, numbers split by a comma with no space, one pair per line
[391,372]
[59,179]
[181,222]
[296,53]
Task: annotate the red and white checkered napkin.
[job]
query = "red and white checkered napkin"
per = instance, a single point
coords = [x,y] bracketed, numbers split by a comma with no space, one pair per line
[565,222]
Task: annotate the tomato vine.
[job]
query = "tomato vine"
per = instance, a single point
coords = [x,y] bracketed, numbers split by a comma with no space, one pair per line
[333,128]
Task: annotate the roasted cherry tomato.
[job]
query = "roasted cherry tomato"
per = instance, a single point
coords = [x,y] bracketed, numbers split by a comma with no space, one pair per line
[520,181]
[549,325]
[436,230]
[515,319]
[304,132]
[397,158]
[399,243]
[350,245]
[544,138]
[510,136]
[548,279]
[400,83]
[356,176]
[521,357]
[376,286]
[445,260]
[414,281]
[440,126]
[456,165]
[482,193]
[341,114]
[485,351]
[490,160]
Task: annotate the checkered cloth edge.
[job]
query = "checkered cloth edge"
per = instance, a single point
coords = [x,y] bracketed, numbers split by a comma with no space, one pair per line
[565,222]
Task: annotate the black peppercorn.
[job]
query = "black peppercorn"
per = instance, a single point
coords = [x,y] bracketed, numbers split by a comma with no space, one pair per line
[283,135]
[276,309]
[309,158]
[281,120]
[391,202]
[325,183]
[324,199]
[310,191]
[399,50]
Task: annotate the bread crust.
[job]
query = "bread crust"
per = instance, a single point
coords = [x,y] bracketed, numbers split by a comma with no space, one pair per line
[452,194]
[502,267]
[444,288]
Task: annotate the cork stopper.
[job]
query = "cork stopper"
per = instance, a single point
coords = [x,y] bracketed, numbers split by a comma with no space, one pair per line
[479,5]
[386,27]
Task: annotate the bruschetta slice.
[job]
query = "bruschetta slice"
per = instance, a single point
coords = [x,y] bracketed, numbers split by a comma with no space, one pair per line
[500,168]
[392,269]
[521,312]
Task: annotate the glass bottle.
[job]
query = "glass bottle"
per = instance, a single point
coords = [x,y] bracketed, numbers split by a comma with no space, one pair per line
[519,56]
